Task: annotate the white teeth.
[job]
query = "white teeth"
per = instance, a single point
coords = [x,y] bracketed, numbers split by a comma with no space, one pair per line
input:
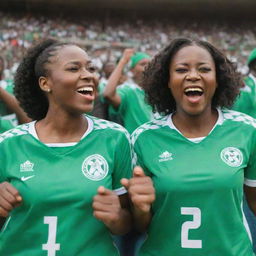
[85,89]
[193,90]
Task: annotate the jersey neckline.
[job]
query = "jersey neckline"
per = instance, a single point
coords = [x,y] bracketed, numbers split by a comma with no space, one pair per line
[219,121]
[33,132]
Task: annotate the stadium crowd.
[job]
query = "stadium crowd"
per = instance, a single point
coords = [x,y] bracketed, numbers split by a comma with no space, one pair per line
[114,86]
[105,42]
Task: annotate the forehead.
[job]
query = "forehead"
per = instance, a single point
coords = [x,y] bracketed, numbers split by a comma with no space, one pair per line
[192,53]
[70,53]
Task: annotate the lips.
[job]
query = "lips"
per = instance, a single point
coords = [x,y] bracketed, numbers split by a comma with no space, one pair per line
[193,93]
[87,92]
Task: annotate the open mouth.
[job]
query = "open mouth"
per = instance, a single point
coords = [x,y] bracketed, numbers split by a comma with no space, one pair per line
[86,90]
[193,91]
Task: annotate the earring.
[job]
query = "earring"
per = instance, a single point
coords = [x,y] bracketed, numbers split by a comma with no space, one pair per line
[48,90]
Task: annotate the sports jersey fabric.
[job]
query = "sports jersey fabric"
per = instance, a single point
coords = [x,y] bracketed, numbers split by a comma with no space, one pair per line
[133,110]
[199,186]
[246,101]
[57,183]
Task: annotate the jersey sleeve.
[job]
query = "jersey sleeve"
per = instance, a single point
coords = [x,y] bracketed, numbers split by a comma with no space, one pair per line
[123,92]
[123,162]
[250,171]
[137,156]
[2,174]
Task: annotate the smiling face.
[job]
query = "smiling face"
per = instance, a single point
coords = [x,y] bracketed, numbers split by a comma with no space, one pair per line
[71,79]
[192,80]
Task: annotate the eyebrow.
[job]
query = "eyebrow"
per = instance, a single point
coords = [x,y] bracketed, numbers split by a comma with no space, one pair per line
[78,62]
[185,64]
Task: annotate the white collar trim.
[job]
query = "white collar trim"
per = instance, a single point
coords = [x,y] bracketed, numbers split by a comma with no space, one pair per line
[220,121]
[32,131]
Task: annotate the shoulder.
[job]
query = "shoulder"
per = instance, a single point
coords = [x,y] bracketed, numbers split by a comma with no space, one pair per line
[15,132]
[127,86]
[238,117]
[108,126]
[148,127]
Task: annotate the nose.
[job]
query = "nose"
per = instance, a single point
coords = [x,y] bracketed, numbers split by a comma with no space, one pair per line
[193,75]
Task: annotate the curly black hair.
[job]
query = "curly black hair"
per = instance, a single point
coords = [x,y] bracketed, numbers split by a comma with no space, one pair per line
[26,86]
[156,77]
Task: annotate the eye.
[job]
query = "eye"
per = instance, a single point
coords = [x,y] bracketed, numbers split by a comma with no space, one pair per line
[181,70]
[91,68]
[73,68]
[205,69]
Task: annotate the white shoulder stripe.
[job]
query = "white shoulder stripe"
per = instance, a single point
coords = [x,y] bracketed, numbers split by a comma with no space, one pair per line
[250,183]
[239,117]
[17,131]
[151,125]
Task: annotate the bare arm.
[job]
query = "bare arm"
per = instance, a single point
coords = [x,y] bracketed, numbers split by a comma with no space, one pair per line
[250,194]
[110,90]
[12,103]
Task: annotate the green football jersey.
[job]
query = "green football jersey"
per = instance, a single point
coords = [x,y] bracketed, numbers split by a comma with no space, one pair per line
[199,186]
[57,183]
[246,101]
[5,113]
[5,125]
[133,110]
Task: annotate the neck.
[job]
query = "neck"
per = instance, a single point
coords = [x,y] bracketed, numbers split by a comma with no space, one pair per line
[61,127]
[192,126]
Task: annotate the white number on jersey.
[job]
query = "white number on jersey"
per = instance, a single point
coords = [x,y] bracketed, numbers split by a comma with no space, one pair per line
[186,226]
[51,247]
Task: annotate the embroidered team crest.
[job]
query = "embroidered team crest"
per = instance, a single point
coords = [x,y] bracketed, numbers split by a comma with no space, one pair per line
[26,166]
[165,156]
[95,167]
[232,156]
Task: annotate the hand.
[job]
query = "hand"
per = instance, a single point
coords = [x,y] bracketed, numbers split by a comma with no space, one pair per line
[141,190]
[106,206]
[127,54]
[9,198]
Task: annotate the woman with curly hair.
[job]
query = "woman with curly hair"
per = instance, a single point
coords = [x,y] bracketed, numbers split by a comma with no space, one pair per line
[199,156]
[60,189]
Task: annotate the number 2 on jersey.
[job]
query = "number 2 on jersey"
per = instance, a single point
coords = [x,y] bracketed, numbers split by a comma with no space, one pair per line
[51,247]
[186,226]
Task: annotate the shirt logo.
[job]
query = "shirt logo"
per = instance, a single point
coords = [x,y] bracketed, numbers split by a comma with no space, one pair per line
[165,156]
[95,167]
[232,156]
[26,166]
[27,178]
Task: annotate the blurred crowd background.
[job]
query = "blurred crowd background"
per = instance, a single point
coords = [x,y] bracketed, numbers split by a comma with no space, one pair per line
[105,41]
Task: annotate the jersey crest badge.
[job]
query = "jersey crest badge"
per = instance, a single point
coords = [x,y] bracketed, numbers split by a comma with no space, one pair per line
[165,156]
[232,156]
[95,167]
[26,166]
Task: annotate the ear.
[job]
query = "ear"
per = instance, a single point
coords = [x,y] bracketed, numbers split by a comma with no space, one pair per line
[44,84]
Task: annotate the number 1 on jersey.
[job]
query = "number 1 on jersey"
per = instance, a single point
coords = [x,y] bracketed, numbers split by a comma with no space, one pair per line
[194,224]
[51,247]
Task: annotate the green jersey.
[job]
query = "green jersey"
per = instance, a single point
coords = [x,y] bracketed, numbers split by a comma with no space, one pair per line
[57,183]
[199,186]
[5,113]
[133,110]
[5,125]
[246,101]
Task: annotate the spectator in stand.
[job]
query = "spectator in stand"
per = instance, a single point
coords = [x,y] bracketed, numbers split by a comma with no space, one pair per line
[11,113]
[129,99]
[246,102]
